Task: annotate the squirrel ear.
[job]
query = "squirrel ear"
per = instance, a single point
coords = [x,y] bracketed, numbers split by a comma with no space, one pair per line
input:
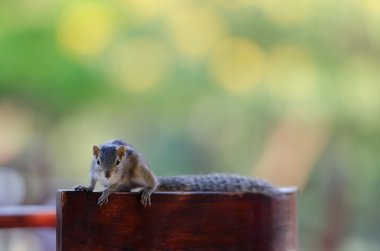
[120,151]
[96,151]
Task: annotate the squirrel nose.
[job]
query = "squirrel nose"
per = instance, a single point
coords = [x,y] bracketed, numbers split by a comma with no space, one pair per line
[107,174]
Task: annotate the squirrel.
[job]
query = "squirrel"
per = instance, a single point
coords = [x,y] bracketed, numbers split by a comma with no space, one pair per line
[120,167]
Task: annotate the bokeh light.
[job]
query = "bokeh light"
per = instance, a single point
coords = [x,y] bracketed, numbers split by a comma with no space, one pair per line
[195,30]
[291,73]
[85,28]
[237,65]
[361,92]
[372,7]
[292,13]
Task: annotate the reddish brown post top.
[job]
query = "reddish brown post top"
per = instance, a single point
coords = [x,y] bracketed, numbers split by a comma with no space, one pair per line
[177,221]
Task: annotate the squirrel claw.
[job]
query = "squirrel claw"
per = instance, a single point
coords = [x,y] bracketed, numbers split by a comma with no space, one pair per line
[81,188]
[145,198]
[103,199]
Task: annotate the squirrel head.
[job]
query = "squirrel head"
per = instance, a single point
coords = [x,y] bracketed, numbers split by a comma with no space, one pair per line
[108,158]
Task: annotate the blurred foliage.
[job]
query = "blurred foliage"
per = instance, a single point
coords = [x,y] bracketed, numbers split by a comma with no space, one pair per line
[288,92]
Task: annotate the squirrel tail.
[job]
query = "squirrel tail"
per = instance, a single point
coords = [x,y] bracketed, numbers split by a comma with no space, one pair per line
[217,182]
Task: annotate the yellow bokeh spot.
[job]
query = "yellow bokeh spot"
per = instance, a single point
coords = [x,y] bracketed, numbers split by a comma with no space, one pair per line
[288,12]
[85,28]
[371,7]
[237,65]
[194,31]
[291,73]
[369,11]
[137,64]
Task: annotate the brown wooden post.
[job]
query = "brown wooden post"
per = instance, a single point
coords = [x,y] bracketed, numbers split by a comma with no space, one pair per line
[177,221]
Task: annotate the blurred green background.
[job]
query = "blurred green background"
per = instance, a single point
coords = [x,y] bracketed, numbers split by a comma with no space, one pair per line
[288,91]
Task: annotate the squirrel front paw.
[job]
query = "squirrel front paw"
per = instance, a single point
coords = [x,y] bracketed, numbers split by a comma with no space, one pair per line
[81,188]
[103,199]
[145,197]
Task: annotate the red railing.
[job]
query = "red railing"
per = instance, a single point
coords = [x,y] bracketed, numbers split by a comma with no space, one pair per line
[27,216]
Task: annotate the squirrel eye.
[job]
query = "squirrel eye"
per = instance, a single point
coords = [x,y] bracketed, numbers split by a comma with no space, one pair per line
[117,162]
[98,162]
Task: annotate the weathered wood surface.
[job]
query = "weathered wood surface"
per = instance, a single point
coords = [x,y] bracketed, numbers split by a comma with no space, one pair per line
[177,221]
[27,216]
